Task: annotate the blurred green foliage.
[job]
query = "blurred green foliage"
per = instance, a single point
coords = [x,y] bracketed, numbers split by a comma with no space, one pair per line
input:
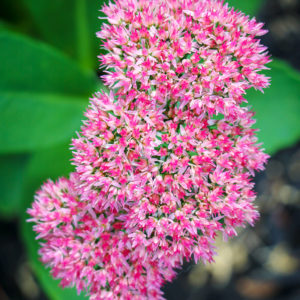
[69,25]
[48,52]
[249,7]
[277,110]
[12,174]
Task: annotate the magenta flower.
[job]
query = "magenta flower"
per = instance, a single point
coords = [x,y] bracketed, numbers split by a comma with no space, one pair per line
[88,248]
[164,161]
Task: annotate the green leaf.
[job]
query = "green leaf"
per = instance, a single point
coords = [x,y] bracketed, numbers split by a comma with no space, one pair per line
[31,66]
[278,109]
[52,163]
[12,168]
[70,25]
[249,7]
[35,121]
[49,163]
[42,94]
[4,26]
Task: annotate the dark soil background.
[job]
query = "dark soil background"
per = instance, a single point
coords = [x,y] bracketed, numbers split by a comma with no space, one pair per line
[263,262]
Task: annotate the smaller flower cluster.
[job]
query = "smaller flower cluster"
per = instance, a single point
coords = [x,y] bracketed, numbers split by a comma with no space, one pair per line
[88,249]
[164,161]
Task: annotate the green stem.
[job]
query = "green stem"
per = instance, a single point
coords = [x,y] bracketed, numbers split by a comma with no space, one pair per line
[83,35]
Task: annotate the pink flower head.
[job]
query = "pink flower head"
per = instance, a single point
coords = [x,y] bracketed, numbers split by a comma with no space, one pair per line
[164,161]
[90,249]
[199,55]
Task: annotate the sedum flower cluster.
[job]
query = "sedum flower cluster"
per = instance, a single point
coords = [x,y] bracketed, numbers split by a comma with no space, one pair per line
[164,161]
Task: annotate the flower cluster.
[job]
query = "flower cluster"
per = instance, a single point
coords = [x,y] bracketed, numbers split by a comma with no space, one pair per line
[164,161]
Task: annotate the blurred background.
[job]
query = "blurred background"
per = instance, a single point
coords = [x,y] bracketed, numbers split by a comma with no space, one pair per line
[49,68]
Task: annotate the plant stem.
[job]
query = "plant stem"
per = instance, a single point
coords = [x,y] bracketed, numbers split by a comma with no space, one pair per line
[83,40]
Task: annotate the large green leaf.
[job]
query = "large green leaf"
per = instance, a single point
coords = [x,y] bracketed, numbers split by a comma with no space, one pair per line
[42,94]
[278,109]
[4,26]
[70,25]
[249,7]
[52,163]
[31,66]
[12,168]
[35,121]
[49,163]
